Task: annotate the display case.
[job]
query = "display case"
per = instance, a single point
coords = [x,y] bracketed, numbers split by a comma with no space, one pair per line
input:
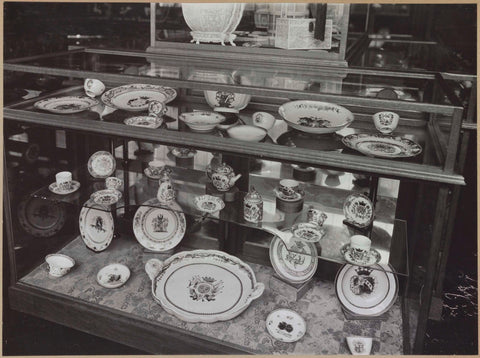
[39,222]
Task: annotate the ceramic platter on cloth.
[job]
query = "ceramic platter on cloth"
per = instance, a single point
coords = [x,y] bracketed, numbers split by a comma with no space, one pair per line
[54,188]
[286,325]
[41,218]
[358,209]
[297,265]
[113,275]
[203,285]
[66,105]
[159,229]
[96,226]
[382,146]
[366,291]
[101,164]
[136,97]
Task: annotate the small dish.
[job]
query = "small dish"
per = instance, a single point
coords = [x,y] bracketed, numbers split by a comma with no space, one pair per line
[106,196]
[183,152]
[382,145]
[202,121]
[264,120]
[286,325]
[54,188]
[372,258]
[144,121]
[113,276]
[358,209]
[101,164]
[59,265]
[209,203]
[66,105]
[359,346]
[308,232]
[247,133]
[294,197]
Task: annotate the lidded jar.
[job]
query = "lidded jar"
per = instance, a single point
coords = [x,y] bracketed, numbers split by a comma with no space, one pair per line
[166,192]
[253,206]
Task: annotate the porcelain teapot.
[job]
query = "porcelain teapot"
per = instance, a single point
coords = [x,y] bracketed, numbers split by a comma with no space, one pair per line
[223,177]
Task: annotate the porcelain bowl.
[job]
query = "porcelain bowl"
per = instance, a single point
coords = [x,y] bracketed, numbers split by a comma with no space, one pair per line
[247,133]
[201,121]
[222,101]
[59,265]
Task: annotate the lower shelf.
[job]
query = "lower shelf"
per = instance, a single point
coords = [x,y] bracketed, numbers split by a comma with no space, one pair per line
[129,314]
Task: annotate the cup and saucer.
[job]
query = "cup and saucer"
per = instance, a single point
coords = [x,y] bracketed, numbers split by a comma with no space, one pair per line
[154,169]
[359,251]
[64,184]
[289,190]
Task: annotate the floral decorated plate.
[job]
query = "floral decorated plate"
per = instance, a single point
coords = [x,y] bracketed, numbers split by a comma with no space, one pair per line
[209,203]
[67,104]
[96,226]
[286,325]
[308,232]
[113,275]
[296,265]
[382,146]
[358,209]
[315,117]
[54,188]
[366,291]
[41,218]
[144,121]
[372,258]
[106,196]
[159,229]
[101,164]
[203,285]
[136,97]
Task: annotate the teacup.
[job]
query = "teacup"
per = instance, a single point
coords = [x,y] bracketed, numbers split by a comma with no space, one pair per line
[360,247]
[59,265]
[316,216]
[93,87]
[289,187]
[156,167]
[156,108]
[386,122]
[263,119]
[64,180]
[113,183]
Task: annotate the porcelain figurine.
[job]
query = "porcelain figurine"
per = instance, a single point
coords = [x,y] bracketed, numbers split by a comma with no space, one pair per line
[166,192]
[253,206]
[223,177]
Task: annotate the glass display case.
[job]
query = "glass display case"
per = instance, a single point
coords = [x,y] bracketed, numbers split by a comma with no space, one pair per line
[422,160]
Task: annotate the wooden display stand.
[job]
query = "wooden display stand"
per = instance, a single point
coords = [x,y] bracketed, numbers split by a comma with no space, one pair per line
[292,291]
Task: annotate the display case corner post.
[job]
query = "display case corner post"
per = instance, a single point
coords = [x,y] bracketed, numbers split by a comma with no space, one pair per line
[8,229]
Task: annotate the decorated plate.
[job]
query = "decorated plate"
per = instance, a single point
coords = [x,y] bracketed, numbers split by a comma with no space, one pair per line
[209,203]
[366,291]
[40,217]
[315,117]
[101,164]
[286,325]
[113,275]
[66,105]
[296,265]
[96,226]
[308,232]
[382,146]
[358,209]
[144,121]
[373,257]
[54,188]
[106,196]
[203,285]
[136,97]
[159,229]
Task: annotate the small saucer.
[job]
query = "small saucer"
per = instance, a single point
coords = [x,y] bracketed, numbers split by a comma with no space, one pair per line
[55,189]
[106,196]
[372,259]
[308,232]
[209,203]
[286,325]
[148,173]
[296,197]
[113,275]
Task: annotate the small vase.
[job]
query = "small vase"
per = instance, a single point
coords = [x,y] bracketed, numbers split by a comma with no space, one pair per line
[253,206]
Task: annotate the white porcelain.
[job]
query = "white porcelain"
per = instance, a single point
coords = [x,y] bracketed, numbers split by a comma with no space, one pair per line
[183,152]
[101,164]
[113,275]
[59,265]
[113,183]
[247,133]
[316,216]
[289,187]
[66,104]
[382,146]
[159,229]
[156,108]
[209,203]
[263,119]
[309,232]
[358,210]
[74,186]
[223,177]
[386,122]
[229,102]
[360,346]
[201,121]
[286,325]
[360,247]
[203,285]
[93,87]
[136,97]
[155,168]
[96,226]
[253,206]
[366,291]
[106,196]
[166,193]
[315,117]
[153,122]
[297,264]
[360,257]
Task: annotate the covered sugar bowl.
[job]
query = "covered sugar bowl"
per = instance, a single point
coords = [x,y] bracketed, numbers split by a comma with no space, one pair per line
[253,206]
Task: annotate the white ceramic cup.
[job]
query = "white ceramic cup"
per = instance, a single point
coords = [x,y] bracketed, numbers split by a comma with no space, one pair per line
[59,265]
[113,183]
[316,216]
[263,119]
[360,247]
[386,122]
[93,87]
[156,166]
[289,187]
[156,108]
[64,180]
